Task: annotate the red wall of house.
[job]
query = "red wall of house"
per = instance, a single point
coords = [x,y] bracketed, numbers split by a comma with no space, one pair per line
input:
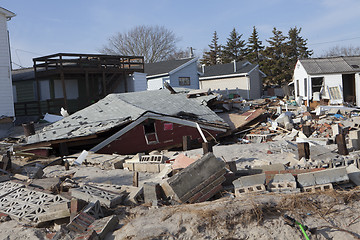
[134,140]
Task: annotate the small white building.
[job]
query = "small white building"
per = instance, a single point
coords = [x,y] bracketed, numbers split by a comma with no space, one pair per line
[178,73]
[242,78]
[336,79]
[6,90]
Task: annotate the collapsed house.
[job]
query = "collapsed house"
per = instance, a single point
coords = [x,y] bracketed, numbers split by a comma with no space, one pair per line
[333,80]
[135,122]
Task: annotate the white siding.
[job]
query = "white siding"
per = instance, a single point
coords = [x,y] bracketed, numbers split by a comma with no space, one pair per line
[357,87]
[6,91]
[137,82]
[255,84]
[299,75]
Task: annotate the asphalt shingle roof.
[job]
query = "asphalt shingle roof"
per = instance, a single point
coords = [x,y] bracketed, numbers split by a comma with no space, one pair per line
[164,66]
[22,74]
[118,109]
[331,65]
[227,69]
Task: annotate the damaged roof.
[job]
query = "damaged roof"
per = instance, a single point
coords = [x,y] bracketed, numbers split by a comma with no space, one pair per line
[227,69]
[118,109]
[331,65]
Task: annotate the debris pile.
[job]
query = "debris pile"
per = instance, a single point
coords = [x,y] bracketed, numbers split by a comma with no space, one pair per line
[77,186]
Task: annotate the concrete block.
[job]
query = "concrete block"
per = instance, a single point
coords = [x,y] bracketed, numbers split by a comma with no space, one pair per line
[283,183]
[355,134]
[316,188]
[152,158]
[252,180]
[49,216]
[250,189]
[92,194]
[152,167]
[194,178]
[152,192]
[333,175]
[140,167]
[306,179]
[353,174]
[166,169]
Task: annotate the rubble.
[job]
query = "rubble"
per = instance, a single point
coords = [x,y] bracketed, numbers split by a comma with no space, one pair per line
[272,149]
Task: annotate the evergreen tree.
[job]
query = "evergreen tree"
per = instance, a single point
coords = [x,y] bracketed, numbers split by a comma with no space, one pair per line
[297,48]
[275,64]
[213,56]
[254,47]
[234,48]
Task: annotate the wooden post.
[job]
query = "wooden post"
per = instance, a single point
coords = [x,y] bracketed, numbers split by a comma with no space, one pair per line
[186,143]
[340,141]
[125,82]
[87,87]
[307,130]
[135,179]
[64,89]
[63,149]
[207,147]
[104,83]
[303,150]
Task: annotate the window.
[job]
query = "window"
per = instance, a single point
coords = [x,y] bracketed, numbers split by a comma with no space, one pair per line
[184,81]
[297,88]
[150,132]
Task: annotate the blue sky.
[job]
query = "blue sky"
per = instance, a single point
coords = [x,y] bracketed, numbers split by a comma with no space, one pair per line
[83,26]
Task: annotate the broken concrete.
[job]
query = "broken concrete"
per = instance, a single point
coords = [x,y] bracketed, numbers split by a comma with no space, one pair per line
[283,183]
[93,194]
[198,182]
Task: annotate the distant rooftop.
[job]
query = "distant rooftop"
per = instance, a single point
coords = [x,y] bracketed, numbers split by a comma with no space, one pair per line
[164,67]
[227,69]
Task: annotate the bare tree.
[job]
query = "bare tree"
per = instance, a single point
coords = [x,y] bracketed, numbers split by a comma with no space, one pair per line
[155,43]
[342,51]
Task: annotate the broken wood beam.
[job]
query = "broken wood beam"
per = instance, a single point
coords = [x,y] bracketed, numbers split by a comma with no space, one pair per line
[304,150]
[340,141]
[207,147]
[186,143]
[136,179]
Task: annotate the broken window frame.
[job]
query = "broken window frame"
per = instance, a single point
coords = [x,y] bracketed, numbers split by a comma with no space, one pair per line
[149,128]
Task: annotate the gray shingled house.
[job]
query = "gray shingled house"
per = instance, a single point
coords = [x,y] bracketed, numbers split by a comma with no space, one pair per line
[336,79]
[241,78]
[178,73]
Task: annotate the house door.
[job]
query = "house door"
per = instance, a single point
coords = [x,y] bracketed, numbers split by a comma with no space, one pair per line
[348,81]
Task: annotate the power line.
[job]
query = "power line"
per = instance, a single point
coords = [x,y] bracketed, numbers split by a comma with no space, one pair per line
[18,49]
[342,40]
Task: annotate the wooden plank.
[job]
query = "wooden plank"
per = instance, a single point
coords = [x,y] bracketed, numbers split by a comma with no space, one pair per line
[340,141]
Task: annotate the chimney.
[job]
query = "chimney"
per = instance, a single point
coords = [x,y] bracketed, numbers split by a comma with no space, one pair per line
[191,53]
[203,68]
[234,61]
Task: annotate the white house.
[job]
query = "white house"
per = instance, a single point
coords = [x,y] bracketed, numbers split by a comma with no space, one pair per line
[336,79]
[178,73]
[242,78]
[6,90]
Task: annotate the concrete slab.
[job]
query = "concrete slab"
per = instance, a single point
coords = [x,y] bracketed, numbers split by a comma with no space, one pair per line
[252,180]
[353,174]
[194,178]
[92,194]
[333,175]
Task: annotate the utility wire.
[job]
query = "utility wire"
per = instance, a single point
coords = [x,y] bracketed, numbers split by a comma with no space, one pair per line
[342,40]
